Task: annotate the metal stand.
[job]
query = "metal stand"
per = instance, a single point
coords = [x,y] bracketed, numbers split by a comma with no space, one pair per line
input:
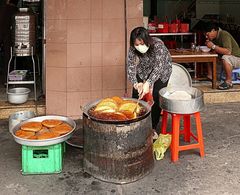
[23,82]
[195,63]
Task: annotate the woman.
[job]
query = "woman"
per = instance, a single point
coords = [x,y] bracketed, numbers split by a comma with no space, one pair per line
[149,67]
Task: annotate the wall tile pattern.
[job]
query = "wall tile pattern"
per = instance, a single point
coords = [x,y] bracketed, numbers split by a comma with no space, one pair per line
[85,51]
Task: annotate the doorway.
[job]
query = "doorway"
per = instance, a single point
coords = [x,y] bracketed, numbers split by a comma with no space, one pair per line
[18,62]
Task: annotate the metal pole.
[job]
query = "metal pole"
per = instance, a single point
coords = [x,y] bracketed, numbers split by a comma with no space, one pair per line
[125,25]
[44,48]
[195,63]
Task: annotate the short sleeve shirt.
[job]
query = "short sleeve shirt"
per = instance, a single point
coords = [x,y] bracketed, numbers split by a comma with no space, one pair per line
[224,39]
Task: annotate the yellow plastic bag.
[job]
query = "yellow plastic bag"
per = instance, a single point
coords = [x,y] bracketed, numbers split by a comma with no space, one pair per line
[161,145]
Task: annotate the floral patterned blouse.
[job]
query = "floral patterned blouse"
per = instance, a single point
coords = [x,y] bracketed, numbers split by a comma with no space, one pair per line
[151,65]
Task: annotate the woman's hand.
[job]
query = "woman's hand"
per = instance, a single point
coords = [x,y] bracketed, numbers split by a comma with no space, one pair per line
[139,88]
[145,90]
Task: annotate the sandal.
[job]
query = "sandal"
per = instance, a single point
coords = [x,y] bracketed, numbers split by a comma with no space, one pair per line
[225,85]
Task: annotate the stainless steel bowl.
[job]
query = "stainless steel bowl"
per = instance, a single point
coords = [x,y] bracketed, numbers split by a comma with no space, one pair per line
[45,142]
[18,95]
[193,105]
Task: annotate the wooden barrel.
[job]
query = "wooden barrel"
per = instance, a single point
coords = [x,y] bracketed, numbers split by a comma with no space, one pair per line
[118,153]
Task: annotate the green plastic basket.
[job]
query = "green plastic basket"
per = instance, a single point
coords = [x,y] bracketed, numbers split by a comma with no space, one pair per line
[42,159]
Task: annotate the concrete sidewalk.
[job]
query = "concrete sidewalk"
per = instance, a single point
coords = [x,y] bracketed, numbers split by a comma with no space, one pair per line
[217,173]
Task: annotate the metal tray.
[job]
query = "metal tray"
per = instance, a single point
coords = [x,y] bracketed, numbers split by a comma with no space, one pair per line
[45,142]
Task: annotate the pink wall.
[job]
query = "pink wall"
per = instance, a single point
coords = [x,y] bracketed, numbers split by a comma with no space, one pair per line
[85,51]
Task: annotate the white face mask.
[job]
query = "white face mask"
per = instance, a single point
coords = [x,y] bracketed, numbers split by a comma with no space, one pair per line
[142,48]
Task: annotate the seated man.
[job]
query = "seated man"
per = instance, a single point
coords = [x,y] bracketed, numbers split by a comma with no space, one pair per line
[227,48]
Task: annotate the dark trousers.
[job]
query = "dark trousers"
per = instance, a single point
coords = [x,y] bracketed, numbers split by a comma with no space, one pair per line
[155,110]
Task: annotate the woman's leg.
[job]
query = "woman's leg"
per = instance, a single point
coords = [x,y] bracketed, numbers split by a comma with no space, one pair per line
[156,110]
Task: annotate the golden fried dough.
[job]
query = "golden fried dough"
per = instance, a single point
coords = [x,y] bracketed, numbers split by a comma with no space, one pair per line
[42,130]
[33,137]
[130,115]
[114,108]
[129,106]
[106,105]
[32,126]
[117,99]
[62,129]
[51,123]
[47,135]
[24,134]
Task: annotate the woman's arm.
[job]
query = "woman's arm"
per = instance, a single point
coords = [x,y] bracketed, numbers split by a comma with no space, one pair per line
[162,64]
[132,66]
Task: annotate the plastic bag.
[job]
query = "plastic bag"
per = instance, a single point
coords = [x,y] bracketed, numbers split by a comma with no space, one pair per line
[161,145]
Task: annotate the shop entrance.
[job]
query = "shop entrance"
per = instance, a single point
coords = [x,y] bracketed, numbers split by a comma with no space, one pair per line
[23,49]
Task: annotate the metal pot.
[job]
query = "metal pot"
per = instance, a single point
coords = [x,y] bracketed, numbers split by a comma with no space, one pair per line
[195,104]
[180,80]
[45,142]
[118,151]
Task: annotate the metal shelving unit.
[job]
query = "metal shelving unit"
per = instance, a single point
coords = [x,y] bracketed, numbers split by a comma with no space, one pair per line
[33,82]
[176,34]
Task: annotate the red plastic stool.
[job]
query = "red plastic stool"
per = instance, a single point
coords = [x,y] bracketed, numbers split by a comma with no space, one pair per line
[175,147]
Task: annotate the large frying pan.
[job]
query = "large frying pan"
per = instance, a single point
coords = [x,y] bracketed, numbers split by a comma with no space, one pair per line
[88,106]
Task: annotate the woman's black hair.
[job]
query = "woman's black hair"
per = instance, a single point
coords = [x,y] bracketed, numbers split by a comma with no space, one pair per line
[140,33]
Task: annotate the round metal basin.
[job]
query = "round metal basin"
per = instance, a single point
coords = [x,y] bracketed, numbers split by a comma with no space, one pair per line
[45,142]
[195,104]
[18,95]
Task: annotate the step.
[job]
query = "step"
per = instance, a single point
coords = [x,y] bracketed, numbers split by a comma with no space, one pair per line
[6,109]
[219,96]
[210,96]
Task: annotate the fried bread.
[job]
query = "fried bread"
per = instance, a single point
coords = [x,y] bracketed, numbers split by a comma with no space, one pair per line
[117,99]
[32,126]
[47,135]
[61,129]
[130,115]
[106,104]
[116,108]
[34,137]
[51,123]
[129,106]
[115,116]
[24,134]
